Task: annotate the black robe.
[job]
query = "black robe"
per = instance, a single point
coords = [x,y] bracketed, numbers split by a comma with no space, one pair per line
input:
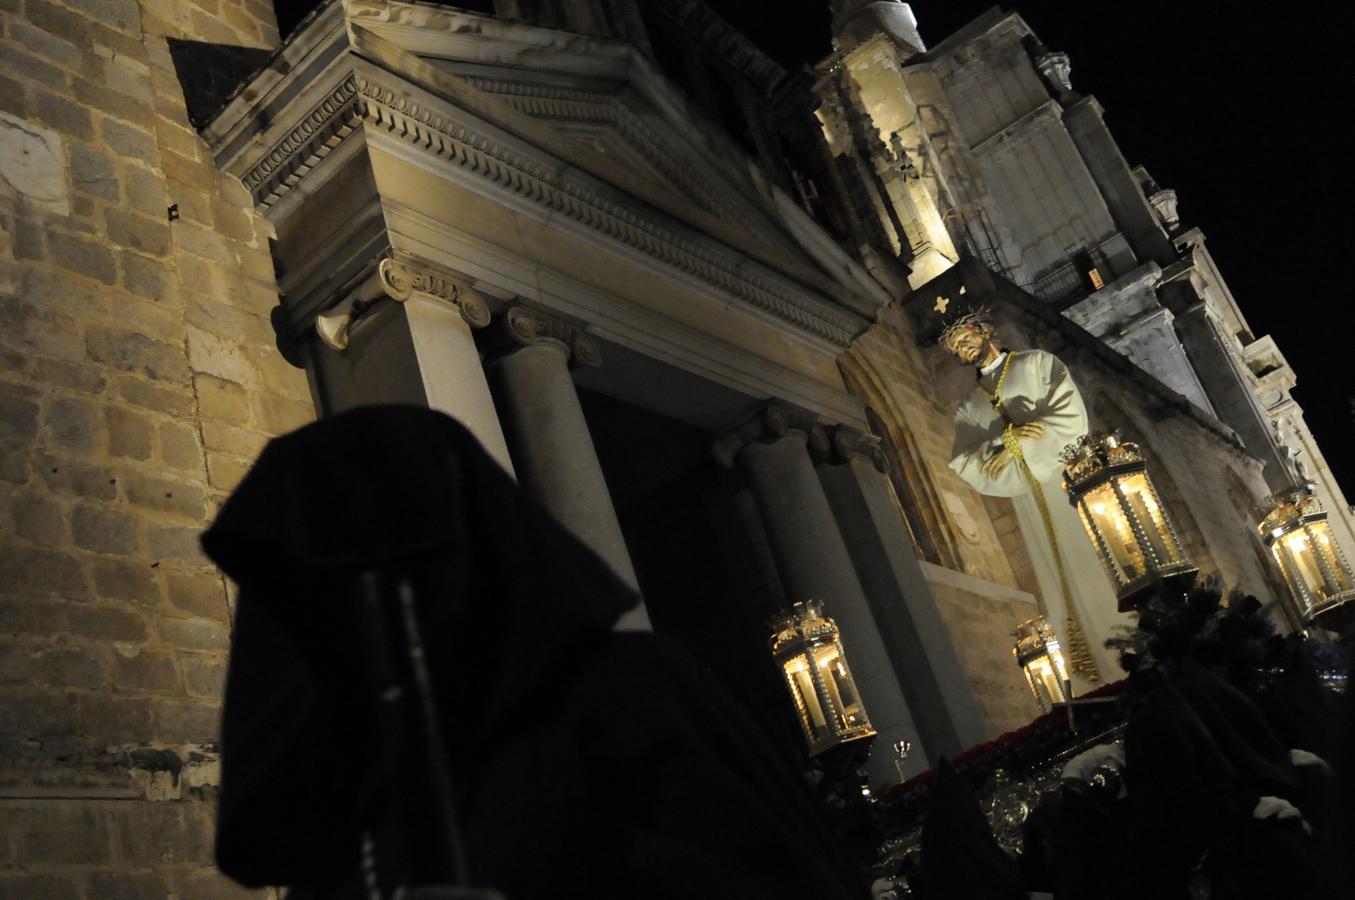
[585,763]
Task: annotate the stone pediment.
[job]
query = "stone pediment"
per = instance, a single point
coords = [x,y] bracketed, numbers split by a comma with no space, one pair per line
[441,97]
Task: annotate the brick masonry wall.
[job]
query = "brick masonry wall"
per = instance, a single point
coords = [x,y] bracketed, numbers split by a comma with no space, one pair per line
[138,379]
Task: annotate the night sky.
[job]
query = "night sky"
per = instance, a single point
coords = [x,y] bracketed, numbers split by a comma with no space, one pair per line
[1240,108]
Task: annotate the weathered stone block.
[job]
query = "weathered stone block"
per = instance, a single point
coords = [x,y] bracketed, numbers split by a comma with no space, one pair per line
[126,140]
[203,242]
[205,678]
[16,660]
[179,447]
[24,615]
[164,495]
[109,719]
[31,570]
[70,477]
[107,623]
[144,191]
[209,884]
[221,399]
[228,438]
[14,464]
[38,519]
[71,425]
[277,414]
[129,433]
[188,172]
[110,102]
[39,887]
[197,594]
[224,470]
[175,543]
[69,667]
[61,22]
[121,580]
[43,43]
[27,67]
[12,99]
[128,885]
[41,331]
[35,713]
[104,530]
[134,352]
[84,257]
[18,415]
[177,138]
[55,289]
[129,229]
[72,377]
[149,278]
[94,173]
[28,237]
[123,15]
[145,672]
[159,834]
[33,163]
[159,398]
[213,355]
[193,634]
[187,722]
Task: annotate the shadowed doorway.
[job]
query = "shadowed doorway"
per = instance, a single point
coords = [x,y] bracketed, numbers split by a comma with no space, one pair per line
[698,548]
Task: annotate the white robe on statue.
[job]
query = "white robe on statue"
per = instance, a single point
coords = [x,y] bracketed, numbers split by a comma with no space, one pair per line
[1038,388]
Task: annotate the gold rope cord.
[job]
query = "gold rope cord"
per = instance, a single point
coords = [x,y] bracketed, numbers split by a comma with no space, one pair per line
[1079,653]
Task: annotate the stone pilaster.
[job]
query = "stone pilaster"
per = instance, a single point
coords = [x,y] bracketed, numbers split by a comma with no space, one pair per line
[548,435]
[773,449]
[939,697]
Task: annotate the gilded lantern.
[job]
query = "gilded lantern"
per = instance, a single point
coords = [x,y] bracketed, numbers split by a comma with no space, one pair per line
[1294,527]
[1037,653]
[1107,480]
[806,645]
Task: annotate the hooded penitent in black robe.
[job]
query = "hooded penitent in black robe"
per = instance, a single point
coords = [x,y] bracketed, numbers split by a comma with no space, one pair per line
[585,763]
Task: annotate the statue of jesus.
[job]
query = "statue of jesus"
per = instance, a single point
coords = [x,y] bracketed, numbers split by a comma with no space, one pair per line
[1010,432]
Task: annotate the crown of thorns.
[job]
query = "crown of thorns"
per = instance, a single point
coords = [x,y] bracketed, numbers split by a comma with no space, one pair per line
[977,316]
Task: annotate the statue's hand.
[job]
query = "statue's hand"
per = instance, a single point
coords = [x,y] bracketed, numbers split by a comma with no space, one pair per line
[1028,432]
[994,465]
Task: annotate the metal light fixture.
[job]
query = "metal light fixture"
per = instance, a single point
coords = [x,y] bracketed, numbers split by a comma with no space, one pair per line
[1107,480]
[1037,653]
[1294,527]
[806,646]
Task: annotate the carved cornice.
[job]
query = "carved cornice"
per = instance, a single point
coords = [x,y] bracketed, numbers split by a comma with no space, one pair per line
[525,327]
[358,100]
[403,276]
[323,128]
[769,424]
[489,158]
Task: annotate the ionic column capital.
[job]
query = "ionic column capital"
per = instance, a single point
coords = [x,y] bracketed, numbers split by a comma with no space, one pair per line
[773,421]
[522,326]
[403,276]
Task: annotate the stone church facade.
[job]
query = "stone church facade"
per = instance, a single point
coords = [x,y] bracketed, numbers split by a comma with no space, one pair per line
[687,297]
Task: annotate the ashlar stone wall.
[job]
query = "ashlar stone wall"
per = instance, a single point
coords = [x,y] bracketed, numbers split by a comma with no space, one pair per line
[138,379]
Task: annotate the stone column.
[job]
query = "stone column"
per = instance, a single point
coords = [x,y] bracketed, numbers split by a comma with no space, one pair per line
[418,350]
[773,450]
[551,447]
[920,646]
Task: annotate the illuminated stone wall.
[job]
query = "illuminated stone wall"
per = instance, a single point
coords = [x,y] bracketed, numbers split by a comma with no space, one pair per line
[138,378]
